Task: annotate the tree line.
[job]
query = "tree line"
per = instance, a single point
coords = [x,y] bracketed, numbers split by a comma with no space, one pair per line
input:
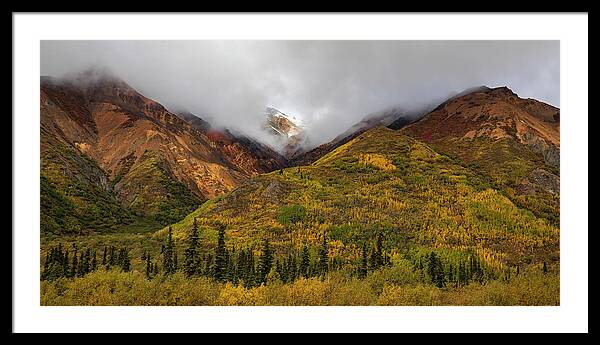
[241,266]
[440,273]
[61,263]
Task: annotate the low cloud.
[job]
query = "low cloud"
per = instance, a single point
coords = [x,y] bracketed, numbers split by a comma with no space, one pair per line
[329,84]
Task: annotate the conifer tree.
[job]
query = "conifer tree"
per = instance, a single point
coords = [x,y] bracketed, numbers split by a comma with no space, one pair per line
[208,267]
[373,262]
[79,272]
[85,262]
[450,274]
[231,269]
[148,266]
[168,251]
[379,250]
[292,267]
[74,265]
[220,255]
[462,274]
[249,278]
[191,253]
[112,256]
[65,270]
[104,257]
[125,260]
[94,262]
[304,262]
[362,272]
[241,266]
[175,263]
[323,258]
[265,262]
[436,270]
[282,269]
[46,266]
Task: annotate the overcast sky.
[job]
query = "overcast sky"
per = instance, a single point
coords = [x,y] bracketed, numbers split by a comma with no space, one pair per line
[329,84]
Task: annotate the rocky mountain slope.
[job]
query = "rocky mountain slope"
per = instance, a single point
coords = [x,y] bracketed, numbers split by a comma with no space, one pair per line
[152,162]
[515,141]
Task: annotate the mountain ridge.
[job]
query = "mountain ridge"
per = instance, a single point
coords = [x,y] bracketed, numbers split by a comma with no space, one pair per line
[110,122]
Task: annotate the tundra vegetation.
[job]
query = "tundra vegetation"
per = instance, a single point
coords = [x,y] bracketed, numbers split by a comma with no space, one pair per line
[384,219]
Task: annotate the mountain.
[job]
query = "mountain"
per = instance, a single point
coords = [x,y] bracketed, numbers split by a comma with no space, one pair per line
[457,207]
[289,130]
[382,181]
[515,141]
[478,173]
[395,118]
[133,154]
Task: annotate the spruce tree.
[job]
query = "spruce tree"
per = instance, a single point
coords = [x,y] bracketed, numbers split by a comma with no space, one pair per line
[80,265]
[362,272]
[241,266]
[190,263]
[125,260]
[462,274]
[46,266]
[251,278]
[292,268]
[304,262]
[379,251]
[373,262]
[65,270]
[168,259]
[323,258]
[208,267]
[175,263]
[112,260]
[85,263]
[265,262]
[74,265]
[104,257]
[231,269]
[148,266]
[94,262]
[220,255]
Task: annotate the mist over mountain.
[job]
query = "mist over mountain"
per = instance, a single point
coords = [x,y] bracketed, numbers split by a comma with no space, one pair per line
[329,85]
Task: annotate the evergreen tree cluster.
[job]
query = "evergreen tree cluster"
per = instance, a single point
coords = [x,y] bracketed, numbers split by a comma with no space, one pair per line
[376,259]
[225,264]
[116,257]
[58,264]
[463,272]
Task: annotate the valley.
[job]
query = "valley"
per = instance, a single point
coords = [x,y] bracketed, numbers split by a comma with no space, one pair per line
[459,205]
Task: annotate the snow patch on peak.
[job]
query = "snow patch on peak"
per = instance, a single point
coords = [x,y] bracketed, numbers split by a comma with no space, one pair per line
[272,112]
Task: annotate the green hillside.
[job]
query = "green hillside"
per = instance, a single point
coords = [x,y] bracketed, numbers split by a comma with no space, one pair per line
[151,191]
[403,224]
[381,182]
[75,195]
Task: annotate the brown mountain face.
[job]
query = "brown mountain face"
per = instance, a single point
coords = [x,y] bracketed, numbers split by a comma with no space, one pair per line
[156,163]
[514,140]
